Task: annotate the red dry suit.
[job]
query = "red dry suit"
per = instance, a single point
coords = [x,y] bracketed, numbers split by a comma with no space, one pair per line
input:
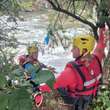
[79,79]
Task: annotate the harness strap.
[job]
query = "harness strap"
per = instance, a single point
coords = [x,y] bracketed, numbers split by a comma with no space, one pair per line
[77,67]
[79,71]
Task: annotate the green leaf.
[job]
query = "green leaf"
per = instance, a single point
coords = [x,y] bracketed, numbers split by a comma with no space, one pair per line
[108,108]
[20,99]
[2,81]
[17,73]
[3,101]
[45,76]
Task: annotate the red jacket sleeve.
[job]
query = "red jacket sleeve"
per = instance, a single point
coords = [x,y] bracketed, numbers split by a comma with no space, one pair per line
[99,50]
[66,79]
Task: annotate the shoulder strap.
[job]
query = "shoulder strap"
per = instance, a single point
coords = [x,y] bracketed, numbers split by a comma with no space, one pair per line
[77,67]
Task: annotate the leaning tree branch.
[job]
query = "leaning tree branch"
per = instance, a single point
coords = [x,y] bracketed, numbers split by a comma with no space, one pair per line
[59,9]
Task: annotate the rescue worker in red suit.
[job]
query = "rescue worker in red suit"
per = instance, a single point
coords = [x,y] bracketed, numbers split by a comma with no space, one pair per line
[79,81]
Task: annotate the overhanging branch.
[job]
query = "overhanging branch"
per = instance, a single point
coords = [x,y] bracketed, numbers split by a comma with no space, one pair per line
[59,9]
[71,14]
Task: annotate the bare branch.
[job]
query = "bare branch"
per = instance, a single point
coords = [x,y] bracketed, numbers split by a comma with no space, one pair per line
[77,17]
[83,9]
[72,15]
[58,5]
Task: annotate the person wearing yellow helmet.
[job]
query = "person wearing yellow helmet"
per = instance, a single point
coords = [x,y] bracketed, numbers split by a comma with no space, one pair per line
[79,81]
[85,43]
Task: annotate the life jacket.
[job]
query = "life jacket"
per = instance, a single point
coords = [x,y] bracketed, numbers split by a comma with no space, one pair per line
[88,83]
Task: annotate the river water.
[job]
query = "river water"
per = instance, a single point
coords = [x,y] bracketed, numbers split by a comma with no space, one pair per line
[34,28]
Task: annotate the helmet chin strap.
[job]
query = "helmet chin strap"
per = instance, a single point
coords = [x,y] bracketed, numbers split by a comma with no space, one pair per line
[78,57]
[82,55]
[85,54]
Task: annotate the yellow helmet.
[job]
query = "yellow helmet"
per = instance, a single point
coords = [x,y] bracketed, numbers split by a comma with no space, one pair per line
[32,48]
[84,42]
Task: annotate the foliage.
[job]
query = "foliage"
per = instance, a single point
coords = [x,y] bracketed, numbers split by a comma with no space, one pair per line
[15,99]
[9,7]
[11,97]
[103,12]
[6,60]
[2,81]
[102,102]
[15,92]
